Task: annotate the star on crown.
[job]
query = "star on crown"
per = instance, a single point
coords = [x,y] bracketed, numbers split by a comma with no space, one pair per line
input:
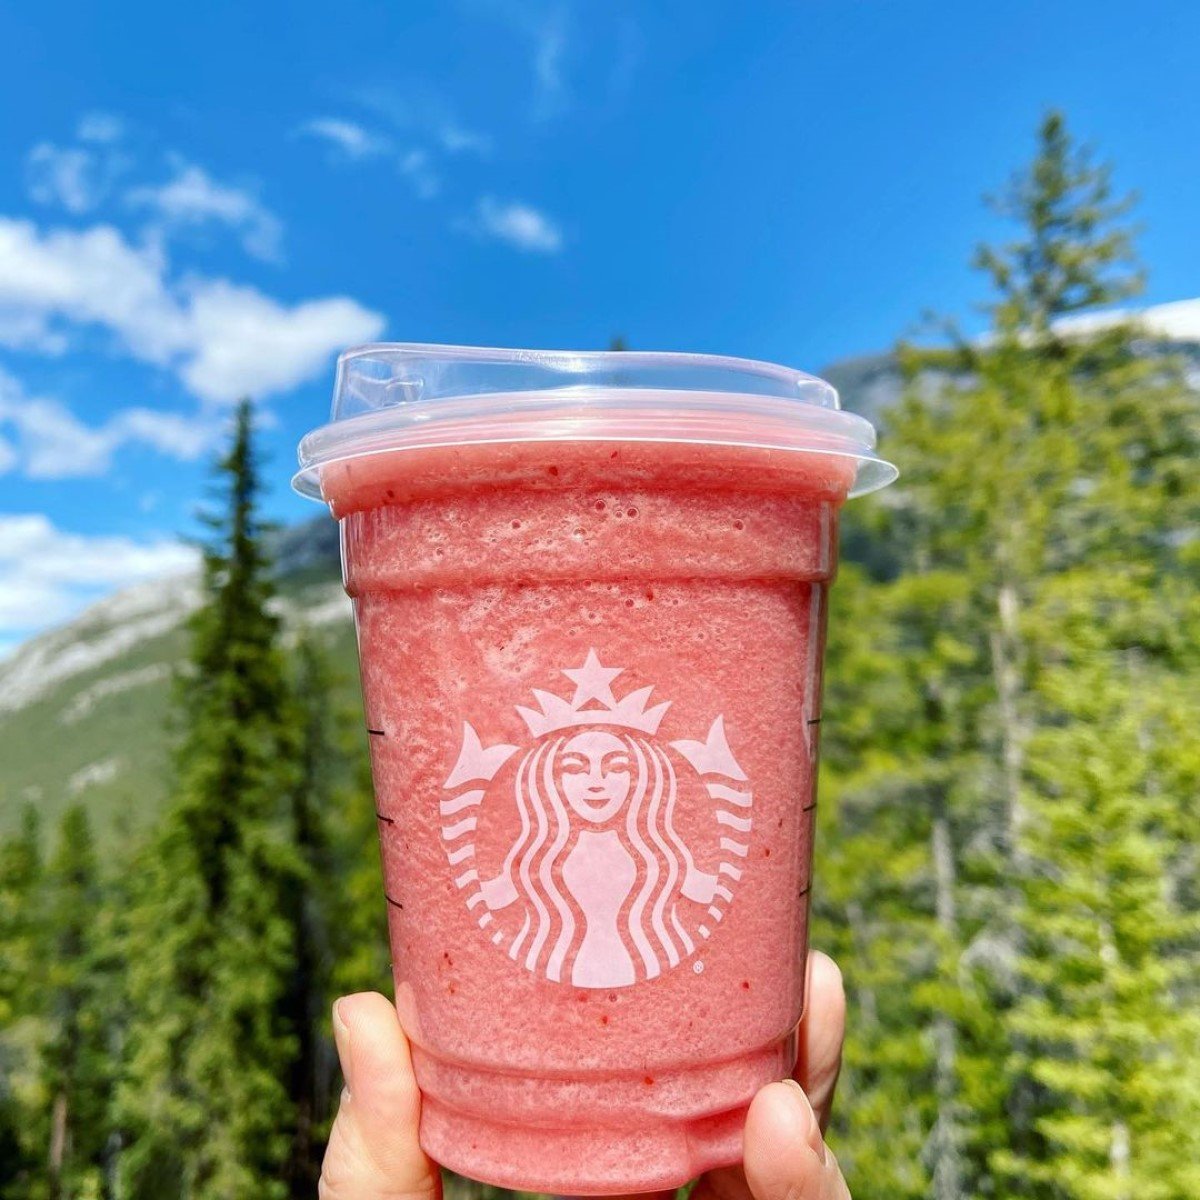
[593,682]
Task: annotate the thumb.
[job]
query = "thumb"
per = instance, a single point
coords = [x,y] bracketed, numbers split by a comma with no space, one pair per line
[373,1151]
[785,1155]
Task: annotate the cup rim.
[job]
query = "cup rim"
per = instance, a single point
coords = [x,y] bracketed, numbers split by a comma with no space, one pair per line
[397,396]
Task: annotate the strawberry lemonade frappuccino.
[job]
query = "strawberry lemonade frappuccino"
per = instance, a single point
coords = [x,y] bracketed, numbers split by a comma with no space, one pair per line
[591,612]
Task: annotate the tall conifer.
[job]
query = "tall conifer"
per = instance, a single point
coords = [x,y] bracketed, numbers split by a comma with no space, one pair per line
[21,957]
[1041,461]
[213,942]
[77,1064]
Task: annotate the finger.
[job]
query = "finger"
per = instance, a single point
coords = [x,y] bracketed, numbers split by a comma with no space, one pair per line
[821,1034]
[373,1151]
[818,1063]
[785,1153]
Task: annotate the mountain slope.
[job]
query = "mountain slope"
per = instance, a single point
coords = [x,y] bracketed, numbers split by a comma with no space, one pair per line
[85,708]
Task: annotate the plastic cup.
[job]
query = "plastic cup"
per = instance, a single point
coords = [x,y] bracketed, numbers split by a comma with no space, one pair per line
[590,594]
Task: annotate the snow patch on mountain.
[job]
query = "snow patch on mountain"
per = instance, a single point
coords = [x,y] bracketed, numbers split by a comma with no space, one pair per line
[107,630]
[82,704]
[103,771]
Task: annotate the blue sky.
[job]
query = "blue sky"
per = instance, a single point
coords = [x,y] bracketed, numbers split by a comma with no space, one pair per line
[202,201]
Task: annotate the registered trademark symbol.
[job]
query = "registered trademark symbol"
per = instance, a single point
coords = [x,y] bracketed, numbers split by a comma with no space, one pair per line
[698,967]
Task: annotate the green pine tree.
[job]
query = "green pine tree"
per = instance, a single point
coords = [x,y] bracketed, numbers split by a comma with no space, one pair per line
[20,882]
[1107,1019]
[314,902]
[1073,251]
[1043,450]
[888,898]
[21,897]
[358,920]
[1098,1025]
[206,1103]
[76,1061]
[363,958]
[995,486]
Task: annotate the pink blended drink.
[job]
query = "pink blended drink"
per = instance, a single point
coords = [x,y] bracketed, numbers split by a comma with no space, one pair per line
[591,594]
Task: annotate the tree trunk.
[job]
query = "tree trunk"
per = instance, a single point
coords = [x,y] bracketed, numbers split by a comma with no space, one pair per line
[1119,1149]
[1119,1156]
[945,1137]
[1006,672]
[112,1165]
[58,1144]
[868,1009]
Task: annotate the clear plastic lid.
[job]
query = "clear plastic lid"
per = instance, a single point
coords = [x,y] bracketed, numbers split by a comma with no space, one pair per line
[398,396]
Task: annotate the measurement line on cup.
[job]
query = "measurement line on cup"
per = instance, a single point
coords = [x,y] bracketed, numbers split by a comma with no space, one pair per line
[809,807]
[377,733]
[393,903]
[813,721]
[804,891]
[381,817]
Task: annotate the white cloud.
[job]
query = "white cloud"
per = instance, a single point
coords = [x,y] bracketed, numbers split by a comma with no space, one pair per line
[245,343]
[76,178]
[49,573]
[224,341]
[549,50]
[174,434]
[348,137]
[91,276]
[192,197]
[81,176]
[353,142]
[52,443]
[100,127]
[517,224]
[27,330]
[424,112]
[414,165]
[62,175]
[455,139]
[542,25]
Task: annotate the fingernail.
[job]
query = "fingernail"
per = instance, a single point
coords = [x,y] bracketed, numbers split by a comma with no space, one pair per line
[340,1028]
[812,1129]
[341,1037]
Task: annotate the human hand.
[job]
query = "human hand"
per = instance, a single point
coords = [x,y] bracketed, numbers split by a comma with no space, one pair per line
[374,1154]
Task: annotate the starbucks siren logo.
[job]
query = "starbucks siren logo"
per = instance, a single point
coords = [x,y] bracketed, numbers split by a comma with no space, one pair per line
[597,888]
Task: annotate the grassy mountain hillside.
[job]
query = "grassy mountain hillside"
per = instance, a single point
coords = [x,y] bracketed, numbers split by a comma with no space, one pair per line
[84,709]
